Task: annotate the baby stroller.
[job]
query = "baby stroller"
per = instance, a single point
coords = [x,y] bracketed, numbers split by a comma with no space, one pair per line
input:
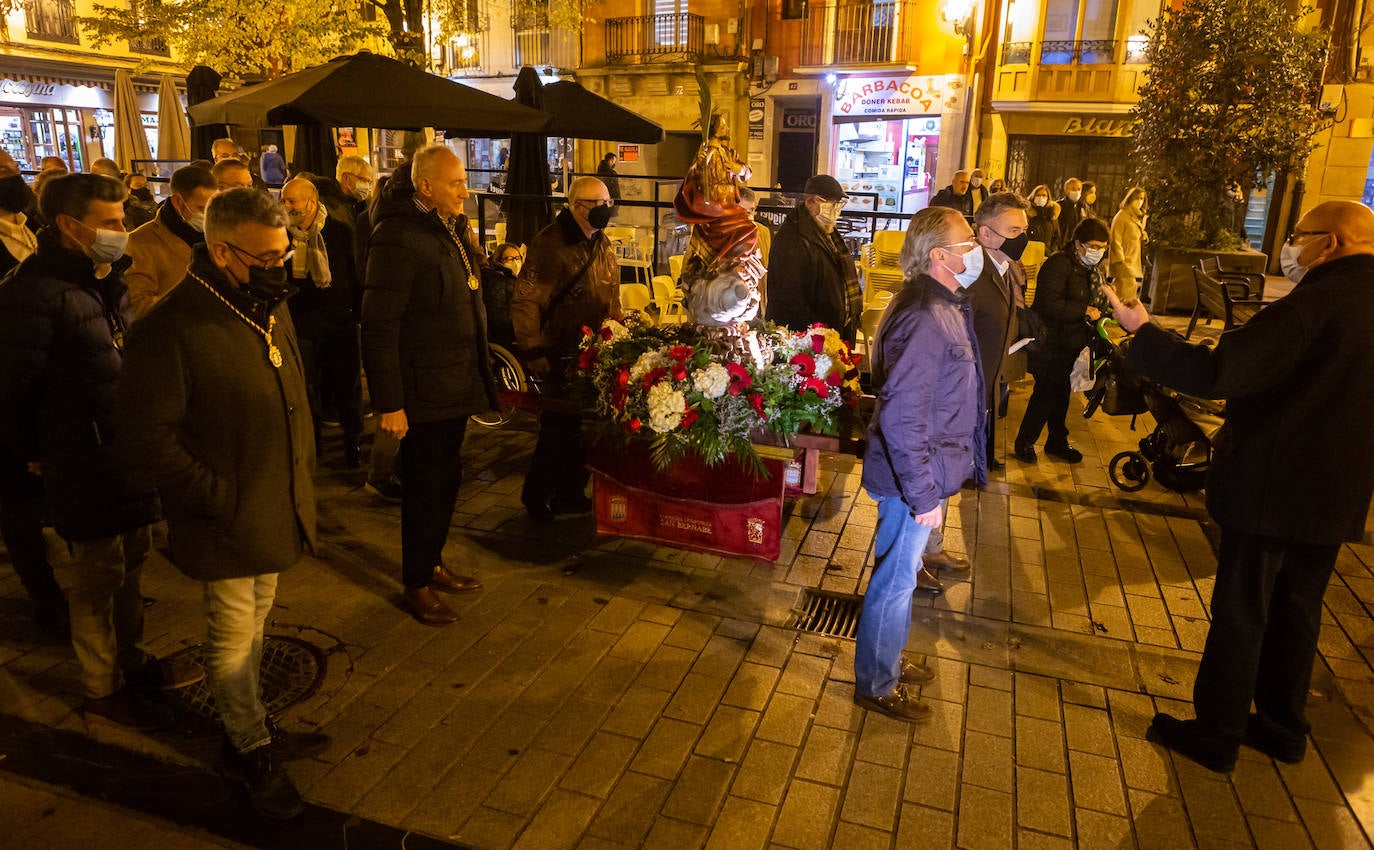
[1179,450]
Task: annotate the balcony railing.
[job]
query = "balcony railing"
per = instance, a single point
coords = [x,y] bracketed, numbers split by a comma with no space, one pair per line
[1077,52]
[50,20]
[655,38]
[858,32]
[149,46]
[537,45]
[1017,52]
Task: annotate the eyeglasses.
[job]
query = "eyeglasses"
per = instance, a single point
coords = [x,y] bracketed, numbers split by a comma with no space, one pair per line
[269,260]
[1297,234]
[967,244]
[593,202]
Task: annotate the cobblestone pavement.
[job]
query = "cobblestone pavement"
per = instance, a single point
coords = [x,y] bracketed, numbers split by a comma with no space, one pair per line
[603,693]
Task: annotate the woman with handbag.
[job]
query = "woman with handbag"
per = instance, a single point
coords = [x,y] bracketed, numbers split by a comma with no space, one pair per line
[1067,285]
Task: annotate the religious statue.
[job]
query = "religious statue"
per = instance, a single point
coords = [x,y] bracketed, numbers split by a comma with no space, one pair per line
[722,268]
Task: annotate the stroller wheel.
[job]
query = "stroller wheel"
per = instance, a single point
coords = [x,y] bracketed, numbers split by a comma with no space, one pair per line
[1129,471]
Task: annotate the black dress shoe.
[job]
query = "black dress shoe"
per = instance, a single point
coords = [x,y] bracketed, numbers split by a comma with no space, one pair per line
[1188,739]
[995,465]
[539,511]
[1025,452]
[928,584]
[1273,743]
[1064,452]
[293,746]
[387,488]
[270,791]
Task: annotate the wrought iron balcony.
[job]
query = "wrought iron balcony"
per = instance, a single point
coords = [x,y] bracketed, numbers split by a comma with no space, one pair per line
[1077,52]
[1076,71]
[1017,52]
[858,32]
[50,20]
[536,44]
[655,38]
[149,46]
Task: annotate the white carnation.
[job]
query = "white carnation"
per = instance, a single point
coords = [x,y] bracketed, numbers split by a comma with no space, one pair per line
[666,406]
[712,381]
[823,365]
[647,362]
[618,331]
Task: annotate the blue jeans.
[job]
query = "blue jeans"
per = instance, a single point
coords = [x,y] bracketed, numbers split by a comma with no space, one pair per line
[885,623]
[235,611]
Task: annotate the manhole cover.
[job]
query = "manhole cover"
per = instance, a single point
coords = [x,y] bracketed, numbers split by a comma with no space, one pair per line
[292,670]
[828,613]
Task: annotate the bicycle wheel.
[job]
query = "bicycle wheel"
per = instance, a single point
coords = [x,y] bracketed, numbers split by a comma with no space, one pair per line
[509,376]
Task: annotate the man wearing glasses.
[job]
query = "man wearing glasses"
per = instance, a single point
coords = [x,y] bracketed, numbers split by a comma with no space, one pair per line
[1289,483]
[213,410]
[570,280]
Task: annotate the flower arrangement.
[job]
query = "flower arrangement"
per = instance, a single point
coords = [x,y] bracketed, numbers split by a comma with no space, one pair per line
[685,388]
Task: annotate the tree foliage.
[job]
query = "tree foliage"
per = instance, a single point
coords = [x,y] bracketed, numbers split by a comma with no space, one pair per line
[238,38]
[1231,93]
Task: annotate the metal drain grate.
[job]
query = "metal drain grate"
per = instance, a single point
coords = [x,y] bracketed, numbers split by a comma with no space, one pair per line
[828,613]
[291,671]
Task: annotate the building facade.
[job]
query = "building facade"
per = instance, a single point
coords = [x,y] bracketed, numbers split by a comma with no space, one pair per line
[57,91]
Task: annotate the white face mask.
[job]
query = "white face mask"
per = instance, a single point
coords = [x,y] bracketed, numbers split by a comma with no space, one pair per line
[1074,196]
[195,221]
[827,213]
[362,189]
[1093,256]
[975,182]
[513,265]
[1040,201]
[1288,261]
[107,246]
[973,267]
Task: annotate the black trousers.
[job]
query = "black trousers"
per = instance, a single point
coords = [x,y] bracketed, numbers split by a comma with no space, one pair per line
[331,357]
[21,527]
[1049,402]
[558,468]
[432,469]
[1266,614]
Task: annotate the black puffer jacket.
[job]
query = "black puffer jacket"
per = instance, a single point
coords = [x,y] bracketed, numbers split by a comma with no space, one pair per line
[1063,292]
[424,329]
[61,330]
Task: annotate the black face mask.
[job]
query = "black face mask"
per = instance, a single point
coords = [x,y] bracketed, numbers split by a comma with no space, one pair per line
[144,194]
[267,285]
[14,195]
[1014,248]
[599,217]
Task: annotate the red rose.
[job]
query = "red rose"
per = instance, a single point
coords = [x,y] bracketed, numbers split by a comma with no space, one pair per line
[606,333]
[835,379]
[818,343]
[757,401]
[633,425]
[816,385]
[653,377]
[688,417]
[587,331]
[740,379]
[679,372]
[587,359]
[805,363]
[681,352]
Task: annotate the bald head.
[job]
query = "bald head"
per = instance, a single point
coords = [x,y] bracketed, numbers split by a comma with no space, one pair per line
[302,201]
[1333,230]
[586,186]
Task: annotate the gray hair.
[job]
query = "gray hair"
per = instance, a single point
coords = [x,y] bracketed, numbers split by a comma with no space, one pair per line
[997,204]
[929,229]
[426,161]
[230,210]
[351,164]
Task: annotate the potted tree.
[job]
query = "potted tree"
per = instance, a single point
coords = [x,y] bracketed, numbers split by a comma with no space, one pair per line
[1231,94]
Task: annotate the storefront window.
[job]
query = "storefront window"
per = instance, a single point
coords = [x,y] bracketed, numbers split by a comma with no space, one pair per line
[888,166]
[12,139]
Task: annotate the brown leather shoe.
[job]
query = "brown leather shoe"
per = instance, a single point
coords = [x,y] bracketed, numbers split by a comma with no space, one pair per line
[897,704]
[929,584]
[916,674]
[945,561]
[428,608]
[448,582]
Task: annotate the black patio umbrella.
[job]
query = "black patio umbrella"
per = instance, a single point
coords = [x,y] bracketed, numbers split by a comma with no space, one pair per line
[314,151]
[201,85]
[527,205]
[366,90]
[580,114]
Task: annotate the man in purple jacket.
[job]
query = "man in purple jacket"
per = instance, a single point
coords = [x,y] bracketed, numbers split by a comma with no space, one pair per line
[924,441]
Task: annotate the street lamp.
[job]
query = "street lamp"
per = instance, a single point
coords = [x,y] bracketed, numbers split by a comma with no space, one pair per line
[960,14]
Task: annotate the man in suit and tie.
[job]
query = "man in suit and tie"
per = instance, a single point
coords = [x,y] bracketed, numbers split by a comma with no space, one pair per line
[1000,225]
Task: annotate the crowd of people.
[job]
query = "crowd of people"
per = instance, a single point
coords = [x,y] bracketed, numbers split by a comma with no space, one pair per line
[184,372]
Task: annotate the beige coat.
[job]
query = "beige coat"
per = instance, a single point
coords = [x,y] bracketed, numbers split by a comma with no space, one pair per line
[160,262]
[1124,259]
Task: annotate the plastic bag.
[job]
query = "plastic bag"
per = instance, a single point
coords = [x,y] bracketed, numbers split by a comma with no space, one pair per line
[1081,376]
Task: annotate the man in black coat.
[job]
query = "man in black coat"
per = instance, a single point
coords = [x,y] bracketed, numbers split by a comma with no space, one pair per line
[213,411]
[1000,225]
[63,313]
[1290,481]
[323,311]
[428,368]
[813,276]
[956,196]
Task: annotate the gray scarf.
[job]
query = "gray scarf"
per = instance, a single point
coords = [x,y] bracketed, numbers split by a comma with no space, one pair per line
[310,258]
